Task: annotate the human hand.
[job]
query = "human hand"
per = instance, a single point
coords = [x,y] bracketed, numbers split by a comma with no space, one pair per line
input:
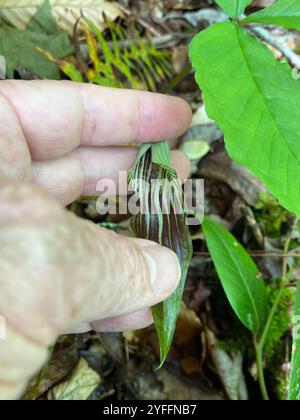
[59,273]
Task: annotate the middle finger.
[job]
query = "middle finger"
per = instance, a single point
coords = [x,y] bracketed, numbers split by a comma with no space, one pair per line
[79,172]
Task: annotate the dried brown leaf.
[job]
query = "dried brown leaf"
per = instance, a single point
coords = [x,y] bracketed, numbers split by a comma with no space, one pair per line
[66,12]
[78,386]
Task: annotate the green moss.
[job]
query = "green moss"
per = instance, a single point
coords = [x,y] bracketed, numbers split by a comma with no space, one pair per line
[271,216]
[281,323]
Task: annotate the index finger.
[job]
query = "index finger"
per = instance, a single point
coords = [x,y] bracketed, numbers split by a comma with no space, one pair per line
[57,117]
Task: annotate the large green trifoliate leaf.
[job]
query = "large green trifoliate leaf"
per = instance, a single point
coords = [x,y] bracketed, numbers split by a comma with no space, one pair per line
[256,103]
[284,13]
[233,8]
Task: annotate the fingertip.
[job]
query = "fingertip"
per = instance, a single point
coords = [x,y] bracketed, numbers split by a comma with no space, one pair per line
[162,116]
[183,113]
[128,322]
[164,270]
[182,164]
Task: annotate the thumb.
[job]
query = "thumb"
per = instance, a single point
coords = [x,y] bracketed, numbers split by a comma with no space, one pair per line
[129,275]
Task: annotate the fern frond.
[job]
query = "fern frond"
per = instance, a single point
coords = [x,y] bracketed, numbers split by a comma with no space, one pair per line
[67,68]
[137,64]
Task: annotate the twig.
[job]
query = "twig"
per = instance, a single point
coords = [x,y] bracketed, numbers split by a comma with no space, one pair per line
[107,394]
[144,23]
[178,79]
[265,36]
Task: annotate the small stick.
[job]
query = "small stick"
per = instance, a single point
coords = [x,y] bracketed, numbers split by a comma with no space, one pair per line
[265,36]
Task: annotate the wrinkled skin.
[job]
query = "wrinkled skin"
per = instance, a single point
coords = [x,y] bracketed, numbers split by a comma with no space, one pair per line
[58,273]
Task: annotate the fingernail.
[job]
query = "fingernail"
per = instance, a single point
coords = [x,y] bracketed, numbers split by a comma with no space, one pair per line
[164,269]
[143,242]
[79,329]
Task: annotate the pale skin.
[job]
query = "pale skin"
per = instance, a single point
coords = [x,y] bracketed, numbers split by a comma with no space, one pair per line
[59,273]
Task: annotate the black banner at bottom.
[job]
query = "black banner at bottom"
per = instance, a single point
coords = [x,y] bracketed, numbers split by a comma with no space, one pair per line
[132,409]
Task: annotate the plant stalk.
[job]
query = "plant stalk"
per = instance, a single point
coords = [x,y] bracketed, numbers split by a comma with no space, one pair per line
[260,372]
[178,79]
[259,346]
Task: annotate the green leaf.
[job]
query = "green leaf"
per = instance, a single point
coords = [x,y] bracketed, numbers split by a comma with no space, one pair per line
[166,226]
[4,21]
[43,21]
[19,47]
[161,155]
[256,103]
[239,275]
[284,13]
[294,389]
[233,8]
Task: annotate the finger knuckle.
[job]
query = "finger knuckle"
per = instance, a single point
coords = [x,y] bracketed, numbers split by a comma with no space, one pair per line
[24,202]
